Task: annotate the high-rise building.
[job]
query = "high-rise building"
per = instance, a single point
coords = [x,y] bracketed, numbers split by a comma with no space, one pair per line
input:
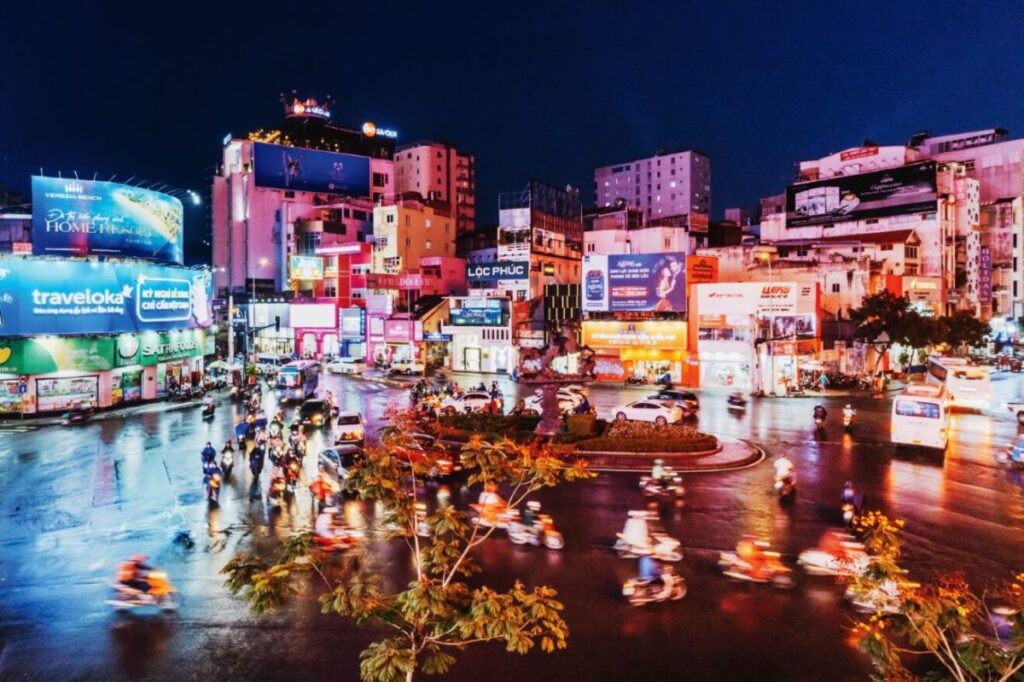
[666,185]
[438,172]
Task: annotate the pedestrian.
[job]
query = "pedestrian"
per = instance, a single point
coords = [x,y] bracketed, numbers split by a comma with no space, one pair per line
[824,381]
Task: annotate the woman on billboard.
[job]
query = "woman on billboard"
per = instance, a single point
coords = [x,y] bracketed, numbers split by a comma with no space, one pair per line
[667,279]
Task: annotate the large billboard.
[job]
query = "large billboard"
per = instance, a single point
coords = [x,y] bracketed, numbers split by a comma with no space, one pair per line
[495,272]
[81,297]
[95,218]
[311,170]
[617,283]
[306,268]
[475,317]
[896,191]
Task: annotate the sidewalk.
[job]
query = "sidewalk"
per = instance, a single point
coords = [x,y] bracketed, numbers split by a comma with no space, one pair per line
[159,405]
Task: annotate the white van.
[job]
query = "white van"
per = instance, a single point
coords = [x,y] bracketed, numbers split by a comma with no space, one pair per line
[920,416]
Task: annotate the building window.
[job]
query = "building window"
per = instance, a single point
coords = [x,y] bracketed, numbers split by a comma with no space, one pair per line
[668,243]
[910,251]
[885,247]
[429,245]
[521,295]
[390,218]
[835,288]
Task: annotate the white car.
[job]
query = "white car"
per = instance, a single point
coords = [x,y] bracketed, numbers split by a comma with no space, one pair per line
[649,411]
[567,402]
[347,366]
[473,401]
[406,367]
[349,428]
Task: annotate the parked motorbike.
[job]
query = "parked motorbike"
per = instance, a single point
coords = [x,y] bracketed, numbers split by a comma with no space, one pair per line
[78,415]
[161,594]
[669,587]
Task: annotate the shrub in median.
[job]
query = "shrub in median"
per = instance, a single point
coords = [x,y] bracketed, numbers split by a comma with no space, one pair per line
[704,443]
[490,424]
[580,424]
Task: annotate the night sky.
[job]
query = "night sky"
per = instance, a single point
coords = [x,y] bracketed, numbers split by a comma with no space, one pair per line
[150,89]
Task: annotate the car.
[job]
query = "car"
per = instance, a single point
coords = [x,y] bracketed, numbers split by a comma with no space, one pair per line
[685,399]
[567,402]
[347,366]
[471,401]
[314,412]
[406,367]
[339,460]
[655,411]
[447,460]
[350,428]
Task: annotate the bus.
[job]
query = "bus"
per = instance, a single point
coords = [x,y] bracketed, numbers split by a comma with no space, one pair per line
[920,416]
[967,385]
[297,380]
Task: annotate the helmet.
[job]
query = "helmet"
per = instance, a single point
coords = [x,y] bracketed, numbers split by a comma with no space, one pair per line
[848,406]
[659,461]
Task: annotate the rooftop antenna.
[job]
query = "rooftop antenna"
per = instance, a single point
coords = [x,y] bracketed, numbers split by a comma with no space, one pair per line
[76,174]
[129,180]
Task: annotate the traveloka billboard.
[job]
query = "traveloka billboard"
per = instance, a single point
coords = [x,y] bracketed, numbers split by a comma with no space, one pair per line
[82,297]
[96,218]
[311,170]
[649,282]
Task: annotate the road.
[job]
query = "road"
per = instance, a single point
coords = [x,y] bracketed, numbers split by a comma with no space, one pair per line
[79,500]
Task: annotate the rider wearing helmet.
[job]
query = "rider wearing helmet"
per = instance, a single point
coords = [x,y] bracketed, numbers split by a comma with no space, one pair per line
[134,573]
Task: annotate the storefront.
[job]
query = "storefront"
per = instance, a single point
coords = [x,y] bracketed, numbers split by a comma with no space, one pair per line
[352,333]
[480,329]
[402,341]
[315,326]
[648,349]
[752,335]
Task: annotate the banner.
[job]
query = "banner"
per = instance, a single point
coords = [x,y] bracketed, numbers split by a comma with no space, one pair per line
[64,297]
[152,348]
[664,334]
[617,283]
[310,170]
[90,217]
[475,317]
[896,191]
[307,268]
[45,355]
[495,272]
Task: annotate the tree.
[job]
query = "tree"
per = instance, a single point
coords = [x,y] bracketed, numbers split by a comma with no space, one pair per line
[963,329]
[884,319]
[437,613]
[943,619]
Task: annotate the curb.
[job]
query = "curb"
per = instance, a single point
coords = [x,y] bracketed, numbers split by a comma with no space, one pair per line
[756,457]
[106,413]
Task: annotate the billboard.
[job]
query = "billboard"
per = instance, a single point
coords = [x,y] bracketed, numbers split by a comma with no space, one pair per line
[618,283]
[95,218]
[81,297]
[307,268]
[475,317]
[896,191]
[83,354]
[495,272]
[664,334]
[750,298]
[311,170]
[313,315]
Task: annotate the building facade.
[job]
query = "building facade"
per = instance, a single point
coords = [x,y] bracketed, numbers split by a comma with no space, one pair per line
[437,171]
[663,186]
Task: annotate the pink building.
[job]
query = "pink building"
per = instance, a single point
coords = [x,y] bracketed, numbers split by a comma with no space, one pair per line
[436,171]
[662,186]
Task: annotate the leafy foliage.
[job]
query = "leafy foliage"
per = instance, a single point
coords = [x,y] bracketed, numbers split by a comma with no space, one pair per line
[943,619]
[437,612]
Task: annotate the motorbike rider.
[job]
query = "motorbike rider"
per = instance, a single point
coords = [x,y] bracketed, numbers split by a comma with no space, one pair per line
[750,550]
[820,413]
[209,455]
[658,470]
[208,404]
[649,568]
[584,406]
[134,573]
[736,398]
[213,473]
[256,461]
[323,489]
[783,467]
[849,413]
[851,496]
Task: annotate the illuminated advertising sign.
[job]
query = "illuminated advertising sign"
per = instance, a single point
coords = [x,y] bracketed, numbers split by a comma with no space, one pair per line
[403,330]
[371,129]
[621,283]
[311,170]
[152,348]
[750,298]
[701,269]
[352,323]
[495,272]
[475,317]
[896,191]
[95,218]
[664,334]
[307,268]
[403,282]
[985,275]
[313,315]
[79,297]
[53,354]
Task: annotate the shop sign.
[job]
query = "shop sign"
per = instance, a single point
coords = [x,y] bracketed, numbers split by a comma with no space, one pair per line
[54,354]
[21,248]
[654,281]
[701,269]
[151,348]
[475,317]
[64,297]
[498,271]
[307,268]
[92,217]
[403,330]
[750,298]
[437,336]
[669,335]
[985,275]
[402,282]
[858,153]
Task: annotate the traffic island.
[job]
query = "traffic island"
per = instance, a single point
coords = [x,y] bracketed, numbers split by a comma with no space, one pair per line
[727,453]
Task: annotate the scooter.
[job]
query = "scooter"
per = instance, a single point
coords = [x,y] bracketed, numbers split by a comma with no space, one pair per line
[276,492]
[848,423]
[845,558]
[160,594]
[543,530]
[669,485]
[785,486]
[213,482]
[227,462]
[79,415]
[636,539]
[884,598]
[849,513]
[669,587]
[772,571]
[208,409]
[734,404]
[291,474]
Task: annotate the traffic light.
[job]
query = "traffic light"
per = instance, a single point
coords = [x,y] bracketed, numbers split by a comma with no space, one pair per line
[277,323]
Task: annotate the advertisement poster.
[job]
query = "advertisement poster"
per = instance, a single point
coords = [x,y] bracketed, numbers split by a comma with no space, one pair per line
[307,268]
[79,297]
[653,334]
[95,218]
[309,170]
[896,191]
[475,317]
[617,283]
[151,348]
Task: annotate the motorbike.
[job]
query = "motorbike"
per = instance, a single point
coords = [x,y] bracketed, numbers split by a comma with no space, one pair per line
[885,598]
[785,485]
[276,492]
[160,594]
[213,482]
[668,587]
[771,570]
[736,404]
[78,415]
[636,381]
[848,422]
[819,422]
[670,485]
[291,474]
[849,513]
[637,539]
[227,462]
[208,410]
[839,554]
[543,530]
